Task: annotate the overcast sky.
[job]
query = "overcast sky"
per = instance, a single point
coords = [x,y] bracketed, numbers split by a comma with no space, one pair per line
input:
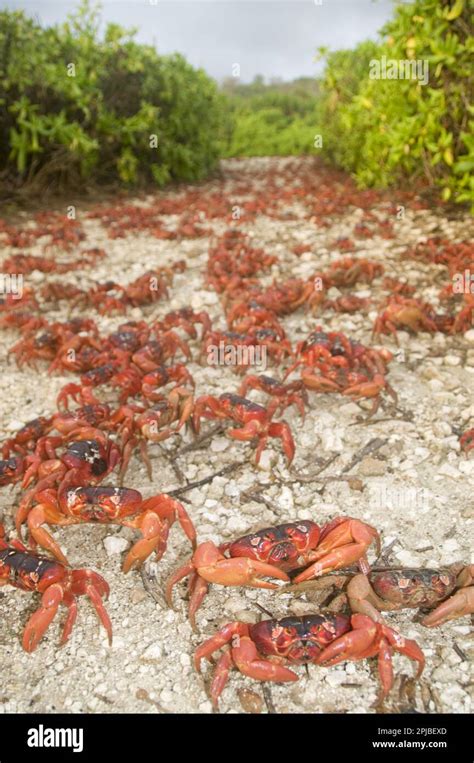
[276,38]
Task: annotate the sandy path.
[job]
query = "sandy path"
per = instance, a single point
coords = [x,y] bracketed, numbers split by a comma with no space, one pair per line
[417,489]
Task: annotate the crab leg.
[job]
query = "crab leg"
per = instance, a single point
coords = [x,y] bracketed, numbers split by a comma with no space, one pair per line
[41,515]
[155,534]
[42,618]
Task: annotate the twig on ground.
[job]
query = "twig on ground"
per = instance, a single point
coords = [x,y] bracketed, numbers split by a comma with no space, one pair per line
[460,652]
[196,443]
[191,485]
[311,477]
[370,447]
[267,696]
[149,588]
[385,554]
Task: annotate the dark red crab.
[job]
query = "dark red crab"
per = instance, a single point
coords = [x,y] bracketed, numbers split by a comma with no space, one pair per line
[285,395]
[11,470]
[89,456]
[448,592]
[467,440]
[273,552]
[254,420]
[29,571]
[263,650]
[71,505]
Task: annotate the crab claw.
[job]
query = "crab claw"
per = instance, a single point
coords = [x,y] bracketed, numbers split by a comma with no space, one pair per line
[343,541]
[370,639]
[93,585]
[209,565]
[462,603]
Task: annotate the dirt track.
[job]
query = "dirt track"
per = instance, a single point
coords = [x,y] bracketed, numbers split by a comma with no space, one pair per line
[417,488]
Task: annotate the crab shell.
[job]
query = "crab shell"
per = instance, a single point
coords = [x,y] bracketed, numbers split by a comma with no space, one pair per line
[413,587]
[281,546]
[100,504]
[299,640]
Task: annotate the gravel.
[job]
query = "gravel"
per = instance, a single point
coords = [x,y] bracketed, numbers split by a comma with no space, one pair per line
[417,490]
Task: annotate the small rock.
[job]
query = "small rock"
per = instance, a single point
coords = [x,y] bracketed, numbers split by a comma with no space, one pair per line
[285,499]
[469,336]
[251,701]
[232,489]
[442,429]
[452,360]
[115,545]
[237,525]
[372,467]
[299,608]
[15,425]
[466,467]
[406,557]
[153,652]
[267,460]
[443,674]
[446,470]
[234,604]
[137,595]
[356,484]
[219,444]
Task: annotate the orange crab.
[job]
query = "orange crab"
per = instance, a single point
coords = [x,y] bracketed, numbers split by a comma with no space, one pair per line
[255,421]
[273,552]
[28,571]
[71,505]
[449,592]
[404,313]
[263,650]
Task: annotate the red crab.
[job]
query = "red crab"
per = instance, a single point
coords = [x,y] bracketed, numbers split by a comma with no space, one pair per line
[255,421]
[82,393]
[139,425]
[26,437]
[285,395]
[28,571]
[89,456]
[186,318]
[11,470]
[464,319]
[404,313]
[349,271]
[72,505]
[274,551]
[467,440]
[331,347]
[157,351]
[252,312]
[261,651]
[449,592]
[152,382]
[347,304]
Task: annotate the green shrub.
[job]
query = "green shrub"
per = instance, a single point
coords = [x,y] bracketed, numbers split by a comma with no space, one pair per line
[272,120]
[78,104]
[389,131]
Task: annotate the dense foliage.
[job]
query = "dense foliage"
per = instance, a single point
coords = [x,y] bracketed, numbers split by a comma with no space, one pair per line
[397,130]
[274,119]
[78,104]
